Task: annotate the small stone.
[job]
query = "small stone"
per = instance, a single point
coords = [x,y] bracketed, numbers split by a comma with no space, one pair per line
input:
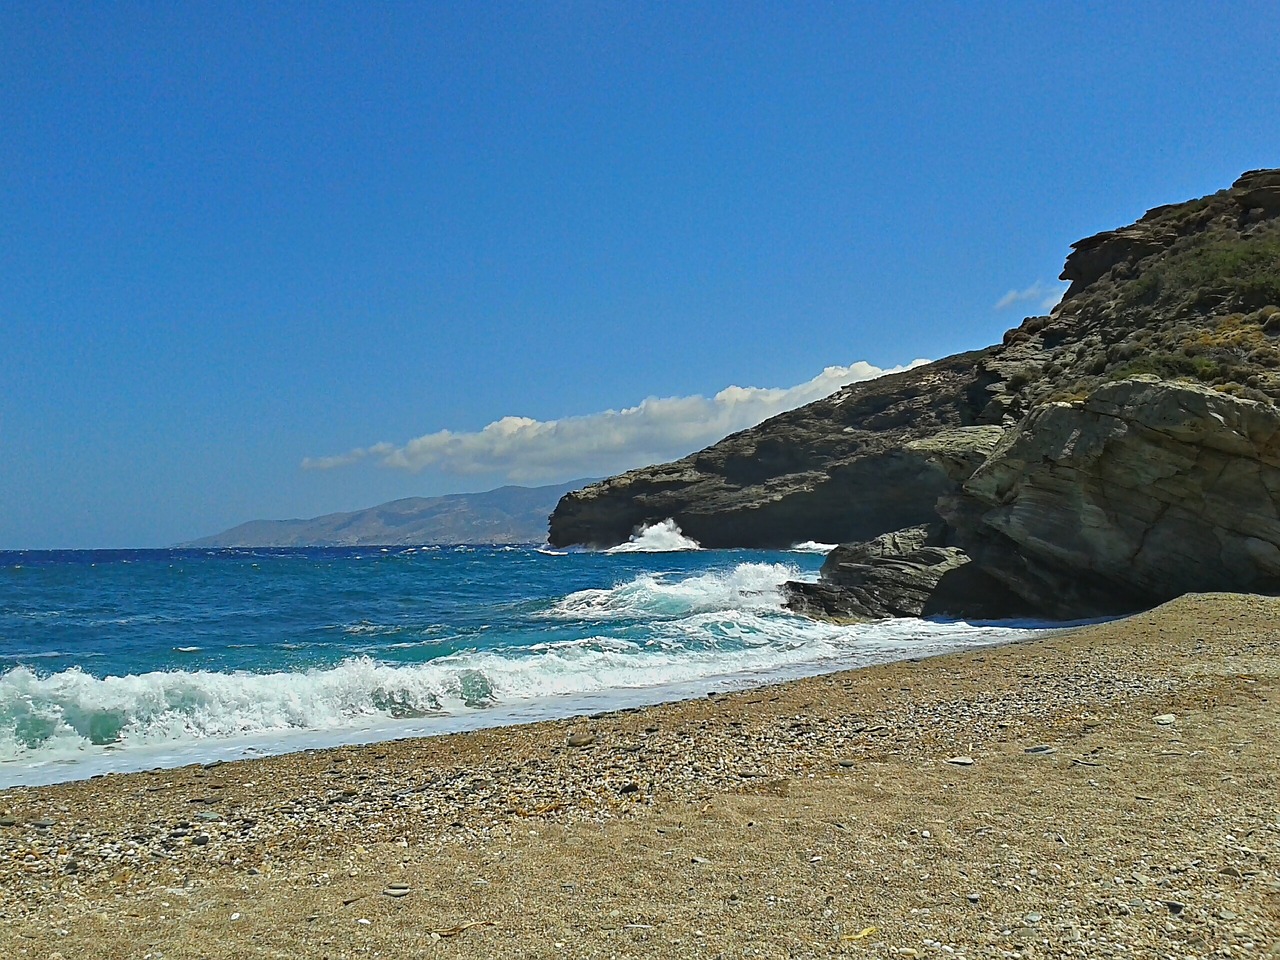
[208,816]
[1165,719]
[974,897]
[8,822]
[631,787]
[1032,918]
[1232,872]
[960,761]
[1041,750]
[1175,906]
[396,892]
[847,762]
[200,840]
[42,824]
[398,885]
[581,739]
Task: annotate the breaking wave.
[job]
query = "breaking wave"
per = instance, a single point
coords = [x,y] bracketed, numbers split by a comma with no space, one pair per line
[812,546]
[751,587]
[653,634]
[664,537]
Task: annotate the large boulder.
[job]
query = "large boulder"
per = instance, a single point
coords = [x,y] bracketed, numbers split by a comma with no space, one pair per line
[906,573]
[1136,494]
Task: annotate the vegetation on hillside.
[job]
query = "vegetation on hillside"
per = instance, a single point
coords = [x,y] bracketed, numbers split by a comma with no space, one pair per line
[1205,308]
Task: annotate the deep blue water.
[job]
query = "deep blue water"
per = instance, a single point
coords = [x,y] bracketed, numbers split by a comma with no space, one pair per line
[125,659]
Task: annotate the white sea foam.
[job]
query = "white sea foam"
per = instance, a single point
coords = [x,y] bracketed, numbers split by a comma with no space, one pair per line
[651,638]
[748,586]
[812,546]
[664,537]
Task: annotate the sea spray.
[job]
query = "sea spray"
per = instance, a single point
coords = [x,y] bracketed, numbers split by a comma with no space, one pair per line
[664,537]
[812,546]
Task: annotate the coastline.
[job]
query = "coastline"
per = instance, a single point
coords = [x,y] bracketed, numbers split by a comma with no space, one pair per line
[780,820]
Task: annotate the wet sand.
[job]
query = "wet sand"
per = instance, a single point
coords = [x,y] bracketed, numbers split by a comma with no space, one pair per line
[1113,790]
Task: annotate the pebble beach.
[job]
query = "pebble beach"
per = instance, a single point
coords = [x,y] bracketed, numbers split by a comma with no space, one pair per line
[1106,791]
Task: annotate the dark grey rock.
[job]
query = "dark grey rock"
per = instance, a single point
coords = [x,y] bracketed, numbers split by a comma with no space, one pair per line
[902,574]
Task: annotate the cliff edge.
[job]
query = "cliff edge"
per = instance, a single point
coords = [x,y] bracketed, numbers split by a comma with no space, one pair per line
[1113,454]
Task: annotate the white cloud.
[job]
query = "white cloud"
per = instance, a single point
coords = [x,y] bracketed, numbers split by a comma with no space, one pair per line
[655,430]
[1048,295]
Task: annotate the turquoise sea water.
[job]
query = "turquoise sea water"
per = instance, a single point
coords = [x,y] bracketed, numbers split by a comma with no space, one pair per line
[117,660]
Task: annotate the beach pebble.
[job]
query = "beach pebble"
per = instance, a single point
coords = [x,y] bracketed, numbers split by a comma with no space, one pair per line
[581,739]
[1165,719]
[396,891]
[960,761]
[847,762]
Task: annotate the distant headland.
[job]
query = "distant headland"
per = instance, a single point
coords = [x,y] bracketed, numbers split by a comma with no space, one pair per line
[506,515]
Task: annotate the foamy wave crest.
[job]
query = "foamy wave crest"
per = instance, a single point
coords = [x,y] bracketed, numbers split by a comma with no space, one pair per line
[191,715]
[73,709]
[752,587]
[812,546]
[664,537]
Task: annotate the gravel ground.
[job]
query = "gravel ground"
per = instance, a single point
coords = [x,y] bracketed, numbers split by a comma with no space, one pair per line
[1109,791]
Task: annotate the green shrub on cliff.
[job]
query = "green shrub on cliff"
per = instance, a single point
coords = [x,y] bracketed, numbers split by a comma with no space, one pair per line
[1231,272]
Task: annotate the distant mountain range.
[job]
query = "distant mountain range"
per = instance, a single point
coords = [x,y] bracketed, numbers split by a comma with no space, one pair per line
[506,515]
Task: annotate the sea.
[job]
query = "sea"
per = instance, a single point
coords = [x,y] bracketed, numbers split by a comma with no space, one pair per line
[120,660]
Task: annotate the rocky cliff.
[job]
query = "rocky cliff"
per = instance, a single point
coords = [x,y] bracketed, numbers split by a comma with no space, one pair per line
[801,475]
[1111,455]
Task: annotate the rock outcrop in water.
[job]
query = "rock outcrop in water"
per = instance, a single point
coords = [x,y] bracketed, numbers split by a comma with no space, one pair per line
[1114,454]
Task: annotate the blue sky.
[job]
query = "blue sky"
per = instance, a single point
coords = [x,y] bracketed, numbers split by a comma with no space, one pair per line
[238,237]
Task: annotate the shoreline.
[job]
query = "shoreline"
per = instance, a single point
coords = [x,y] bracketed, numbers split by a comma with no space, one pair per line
[788,818]
[869,651]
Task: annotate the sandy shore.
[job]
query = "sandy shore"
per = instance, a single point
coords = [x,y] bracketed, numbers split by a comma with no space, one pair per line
[1108,791]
